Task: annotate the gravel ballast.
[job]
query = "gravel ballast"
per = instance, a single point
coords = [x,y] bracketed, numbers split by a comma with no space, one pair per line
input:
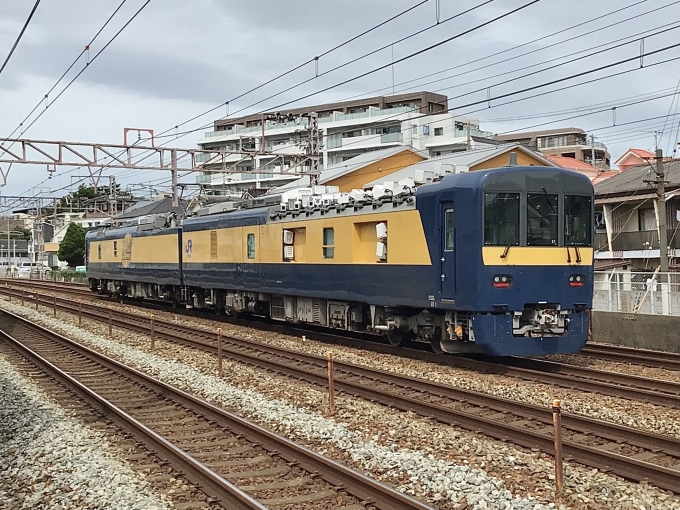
[424,458]
[49,459]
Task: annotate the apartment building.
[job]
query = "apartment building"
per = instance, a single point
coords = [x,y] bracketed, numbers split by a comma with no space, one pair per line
[567,142]
[346,129]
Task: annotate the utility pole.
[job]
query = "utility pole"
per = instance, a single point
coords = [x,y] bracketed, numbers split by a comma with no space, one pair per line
[173,169]
[469,142]
[592,149]
[112,198]
[661,209]
[40,240]
[313,148]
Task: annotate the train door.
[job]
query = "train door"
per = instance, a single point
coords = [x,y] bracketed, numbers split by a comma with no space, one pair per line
[448,258]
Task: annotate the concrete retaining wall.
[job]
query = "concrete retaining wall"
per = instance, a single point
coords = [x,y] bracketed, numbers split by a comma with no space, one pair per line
[657,332]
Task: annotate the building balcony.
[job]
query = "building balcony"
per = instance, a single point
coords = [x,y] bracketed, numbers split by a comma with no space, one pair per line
[392,138]
[333,143]
[635,241]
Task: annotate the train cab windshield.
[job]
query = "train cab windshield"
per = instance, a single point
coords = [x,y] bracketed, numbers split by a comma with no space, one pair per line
[577,220]
[536,218]
[501,219]
[542,219]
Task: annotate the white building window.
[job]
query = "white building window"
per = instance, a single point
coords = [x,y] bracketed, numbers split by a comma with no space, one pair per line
[426,130]
[438,131]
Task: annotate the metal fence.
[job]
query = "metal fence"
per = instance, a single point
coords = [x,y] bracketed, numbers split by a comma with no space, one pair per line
[637,293]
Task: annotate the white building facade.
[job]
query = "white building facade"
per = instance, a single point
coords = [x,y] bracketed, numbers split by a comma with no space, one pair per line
[346,129]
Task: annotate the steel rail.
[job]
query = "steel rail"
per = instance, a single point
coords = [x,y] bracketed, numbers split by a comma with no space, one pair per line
[339,475]
[196,472]
[655,391]
[667,478]
[645,357]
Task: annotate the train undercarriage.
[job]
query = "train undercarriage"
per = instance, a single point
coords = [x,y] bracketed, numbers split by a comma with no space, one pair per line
[444,330]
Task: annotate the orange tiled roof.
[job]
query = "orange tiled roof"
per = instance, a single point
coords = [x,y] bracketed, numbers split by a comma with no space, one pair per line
[640,153]
[604,175]
[571,163]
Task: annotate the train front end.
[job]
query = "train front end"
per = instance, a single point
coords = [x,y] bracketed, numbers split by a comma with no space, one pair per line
[520,279]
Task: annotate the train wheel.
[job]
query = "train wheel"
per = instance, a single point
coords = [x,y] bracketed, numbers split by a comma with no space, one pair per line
[399,338]
[436,345]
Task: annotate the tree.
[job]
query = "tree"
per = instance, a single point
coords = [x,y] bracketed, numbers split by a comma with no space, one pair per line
[20,233]
[72,248]
[76,199]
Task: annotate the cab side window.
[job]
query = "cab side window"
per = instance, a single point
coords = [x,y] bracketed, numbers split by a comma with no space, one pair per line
[448,230]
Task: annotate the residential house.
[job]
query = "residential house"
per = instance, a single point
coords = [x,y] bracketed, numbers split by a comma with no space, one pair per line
[431,169]
[567,142]
[354,173]
[633,157]
[626,218]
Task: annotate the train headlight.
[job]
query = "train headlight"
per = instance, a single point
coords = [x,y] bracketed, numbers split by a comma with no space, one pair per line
[577,280]
[502,281]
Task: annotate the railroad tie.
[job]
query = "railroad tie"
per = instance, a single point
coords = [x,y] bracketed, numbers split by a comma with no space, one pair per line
[302,498]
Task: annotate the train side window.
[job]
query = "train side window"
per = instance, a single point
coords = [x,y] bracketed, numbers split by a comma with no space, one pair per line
[448,230]
[115,248]
[501,219]
[328,243]
[99,251]
[577,220]
[251,246]
[213,245]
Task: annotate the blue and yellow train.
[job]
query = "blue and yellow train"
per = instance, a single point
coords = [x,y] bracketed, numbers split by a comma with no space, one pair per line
[497,261]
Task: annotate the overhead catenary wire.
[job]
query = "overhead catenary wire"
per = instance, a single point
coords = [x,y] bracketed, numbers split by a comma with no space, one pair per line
[507,50]
[21,34]
[299,66]
[96,55]
[441,42]
[609,13]
[626,7]
[560,31]
[326,52]
[555,81]
[563,88]
[75,61]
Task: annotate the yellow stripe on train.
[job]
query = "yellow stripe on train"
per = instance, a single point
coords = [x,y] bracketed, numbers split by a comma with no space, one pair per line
[536,256]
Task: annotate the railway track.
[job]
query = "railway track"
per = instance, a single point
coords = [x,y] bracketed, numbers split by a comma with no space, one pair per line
[655,391]
[238,463]
[625,451]
[621,354]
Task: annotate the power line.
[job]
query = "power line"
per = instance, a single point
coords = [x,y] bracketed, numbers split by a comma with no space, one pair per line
[336,47]
[409,56]
[87,65]
[476,60]
[23,29]
[297,67]
[84,50]
[480,59]
[552,82]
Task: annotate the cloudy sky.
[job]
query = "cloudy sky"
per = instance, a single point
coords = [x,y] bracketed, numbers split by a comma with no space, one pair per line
[178,59]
